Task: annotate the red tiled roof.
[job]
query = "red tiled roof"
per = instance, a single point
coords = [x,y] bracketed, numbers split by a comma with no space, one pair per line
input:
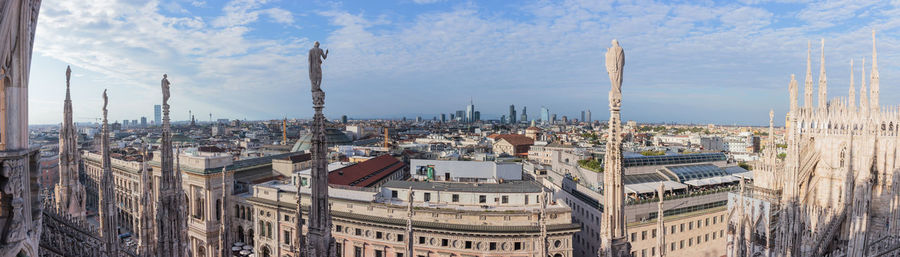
[514,139]
[366,173]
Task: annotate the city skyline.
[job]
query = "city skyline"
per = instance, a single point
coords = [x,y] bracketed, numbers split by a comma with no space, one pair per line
[244,59]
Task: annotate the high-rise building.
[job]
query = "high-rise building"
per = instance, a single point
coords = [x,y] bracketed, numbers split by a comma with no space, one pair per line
[418,119]
[470,112]
[344,119]
[134,123]
[524,117]
[443,117]
[143,121]
[545,115]
[588,118]
[552,118]
[582,116]
[502,119]
[476,116]
[452,116]
[512,114]
[157,115]
[461,115]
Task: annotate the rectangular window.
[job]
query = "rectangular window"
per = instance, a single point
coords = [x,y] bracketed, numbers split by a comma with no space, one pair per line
[698,239]
[706,238]
[445,242]
[358,232]
[287,218]
[644,235]
[699,224]
[707,222]
[421,240]
[653,232]
[427,197]
[714,235]
[681,244]
[504,199]
[643,252]
[673,229]
[492,246]
[357,251]
[399,237]
[393,193]
[673,247]
[682,228]
[482,199]
[338,228]
[468,245]
[379,253]
[690,242]
[455,198]
[378,235]
[526,199]
[690,225]
[633,237]
[517,246]
[287,237]
[399,255]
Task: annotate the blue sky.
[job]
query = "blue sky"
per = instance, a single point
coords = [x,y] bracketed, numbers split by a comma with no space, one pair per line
[725,62]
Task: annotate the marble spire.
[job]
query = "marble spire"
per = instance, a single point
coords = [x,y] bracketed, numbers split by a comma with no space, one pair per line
[146,208]
[823,81]
[874,80]
[108,211]
[660,223]
[225,229]
[69,191]
[409,227]
[792,89]
[319,239]
[808,89]
[543,222]
[170,216]
[863,93]
[852,93]
[612,233]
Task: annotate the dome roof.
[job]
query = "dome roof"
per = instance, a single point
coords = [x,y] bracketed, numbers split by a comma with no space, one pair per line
[333,137]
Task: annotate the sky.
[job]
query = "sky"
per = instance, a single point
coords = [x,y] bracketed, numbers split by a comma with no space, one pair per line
[723,62]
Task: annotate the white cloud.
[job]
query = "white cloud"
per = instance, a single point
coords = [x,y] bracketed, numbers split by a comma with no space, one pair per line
[692,57]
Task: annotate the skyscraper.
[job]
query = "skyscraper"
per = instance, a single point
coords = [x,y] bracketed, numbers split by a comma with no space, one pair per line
[157,115]
[443,117]
[552,118]
[143,121]
[588,118]
[476,116]
[545,115]
[524,117]
[461,115]
[582,116]
[470,112]
[512,114]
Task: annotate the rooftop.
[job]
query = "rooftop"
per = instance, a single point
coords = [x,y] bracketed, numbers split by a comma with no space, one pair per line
[506,187]
[366,173]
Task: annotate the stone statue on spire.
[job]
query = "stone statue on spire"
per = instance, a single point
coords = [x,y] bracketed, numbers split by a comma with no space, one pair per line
[316,57]
[165,89]
[615,62]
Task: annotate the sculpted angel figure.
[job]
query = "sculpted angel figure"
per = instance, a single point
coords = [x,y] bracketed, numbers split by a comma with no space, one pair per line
[316,56]
[615,61]
[165,89]
[105,101]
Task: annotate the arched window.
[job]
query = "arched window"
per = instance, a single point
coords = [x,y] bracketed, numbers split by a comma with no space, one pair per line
[843,156]
[201,251]
[269,230]
[240,233]
[262,229]
[219,209]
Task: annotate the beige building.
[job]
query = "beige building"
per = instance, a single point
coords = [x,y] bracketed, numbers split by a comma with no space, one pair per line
[449,219]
